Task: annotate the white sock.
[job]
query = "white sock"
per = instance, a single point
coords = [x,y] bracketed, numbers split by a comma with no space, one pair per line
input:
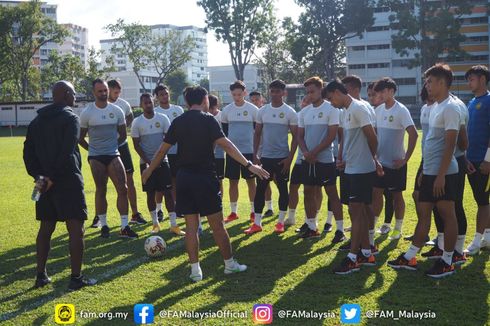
[398,224]
[229,263]
[329,217]
[366,252]
[268,204]
[447,256]
[258,219]
[282,216]
[173,219]
[316,214]
[440,240]
[311,223]
[352,256]
[486,235]
[103,219]
[124,221]
[292,214]
[460,243]
[154,217]
[196,268]
[412,252]
[340,225]
[252,209]
[477,240]
[375,221]
[371,237]
[234,207]
[159,207]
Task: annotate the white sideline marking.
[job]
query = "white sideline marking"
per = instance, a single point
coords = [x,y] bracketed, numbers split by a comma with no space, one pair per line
[106,275]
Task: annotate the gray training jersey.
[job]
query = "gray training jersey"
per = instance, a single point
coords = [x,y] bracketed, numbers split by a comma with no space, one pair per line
[390,128]
[172,112]
[126,108]
[151,133]
[102,124]
[275,129]
[444,116]
[424,122]
[356,153]
[464,116]
[240,120]
[218,151]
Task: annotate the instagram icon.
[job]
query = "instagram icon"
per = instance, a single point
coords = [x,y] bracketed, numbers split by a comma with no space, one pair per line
[262,314]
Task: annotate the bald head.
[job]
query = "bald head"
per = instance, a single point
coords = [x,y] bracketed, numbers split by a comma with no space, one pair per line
[64,93]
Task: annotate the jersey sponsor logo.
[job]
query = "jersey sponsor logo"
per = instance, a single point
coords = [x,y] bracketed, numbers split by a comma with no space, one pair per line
[281,115]
[245,113]
[320,115]
[111,115]
[157,124]
[391,118]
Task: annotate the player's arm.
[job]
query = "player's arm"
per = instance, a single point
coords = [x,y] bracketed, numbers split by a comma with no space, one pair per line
[485,164]
[450,140]
[412,142]
[129,119]
[372,141]
[139,150]
[463,138]
[340,160]
[121,130]
[81,140]
[31,162]
[156,161]
[300,138]
[257,139]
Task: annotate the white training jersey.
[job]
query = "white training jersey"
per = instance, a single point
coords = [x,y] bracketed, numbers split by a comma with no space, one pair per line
[240,120]
[172,112]
[151,133]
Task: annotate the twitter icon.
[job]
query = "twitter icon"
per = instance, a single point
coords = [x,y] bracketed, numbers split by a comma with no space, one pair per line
[350,313]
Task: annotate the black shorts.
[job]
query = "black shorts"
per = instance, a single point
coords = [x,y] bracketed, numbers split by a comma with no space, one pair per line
[478,182]
[126,158]
[359,187]
[318,174]
[233,168]
[197,193]
[394,180]
[172,161]
[416,186]
[160,180]
[275,170]
[104,159]
[296,175]
[344,189]
[220,168]
[61,205]
[427,188]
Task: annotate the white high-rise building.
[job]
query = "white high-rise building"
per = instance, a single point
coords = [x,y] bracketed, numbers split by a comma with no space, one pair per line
[76,44]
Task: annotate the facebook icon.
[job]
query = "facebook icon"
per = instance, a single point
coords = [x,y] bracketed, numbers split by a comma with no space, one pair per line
[143,313]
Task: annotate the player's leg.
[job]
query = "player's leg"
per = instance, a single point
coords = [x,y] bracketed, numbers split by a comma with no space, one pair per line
[251,185]
[281,181]
[43,246]
[399,205]
[232,173]
[294,185]
[192,245]
[336,207]
[269,211]
[349,264]
[389,207]
[136,218]
[99,173]
[259,202]
[311,209]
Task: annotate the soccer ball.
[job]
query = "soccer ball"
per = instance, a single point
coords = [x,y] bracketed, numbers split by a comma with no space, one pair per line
[155,246]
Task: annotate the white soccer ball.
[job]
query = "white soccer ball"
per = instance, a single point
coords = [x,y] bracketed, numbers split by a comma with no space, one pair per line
[155,246]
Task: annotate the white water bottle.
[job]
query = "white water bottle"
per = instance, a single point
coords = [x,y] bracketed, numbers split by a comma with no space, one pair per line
[36,192]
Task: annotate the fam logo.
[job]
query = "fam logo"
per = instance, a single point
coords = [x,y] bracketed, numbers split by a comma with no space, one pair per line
[320,115]
[391,118]
[174,114]
[245,113]
[157,124]
[478,106]
[281,115]
[64,314]
[111,115]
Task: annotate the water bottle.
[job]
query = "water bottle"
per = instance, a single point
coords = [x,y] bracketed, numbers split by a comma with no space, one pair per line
[36,192]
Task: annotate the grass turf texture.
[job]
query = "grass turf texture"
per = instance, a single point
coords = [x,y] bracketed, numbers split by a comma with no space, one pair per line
[283,271]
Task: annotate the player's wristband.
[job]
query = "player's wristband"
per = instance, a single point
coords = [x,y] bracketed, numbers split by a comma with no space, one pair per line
[249,164]
[487,156]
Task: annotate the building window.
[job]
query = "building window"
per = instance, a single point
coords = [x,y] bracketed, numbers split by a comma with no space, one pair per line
[405,81]
[401,63]
[378,28]
[475,39]
[381,9]
[357,48]
[26,108]
[474,21]
[378,47]
[379,65]
[7,108]
[359,66]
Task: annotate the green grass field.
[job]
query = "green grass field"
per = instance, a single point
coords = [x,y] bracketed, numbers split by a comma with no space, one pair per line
[284,271]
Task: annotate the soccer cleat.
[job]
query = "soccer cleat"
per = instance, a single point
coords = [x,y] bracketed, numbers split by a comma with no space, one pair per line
[338,237]
[95,222]
[409,237]
[347,266]
[484,245]
[196,277]
[155,229]
[231,217]
[440,269]
[252,217]
[402,262]
[289,222]
[253,229]
[366,261]
[177,231]
[430,242]
[327,228]
[235,268]
[160,216]
[310,234]
[302,229]
[345,246]
[348,229]
[127,233]
[434,253]
[268,213]
[374,250]
[76,283]
[395,235]
[384,229]
[42,280]
[104,231]
[138,219]
[458,259]
[279,228]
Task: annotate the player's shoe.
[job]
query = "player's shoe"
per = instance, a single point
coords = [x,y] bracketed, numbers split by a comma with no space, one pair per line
[137,219]
[434,253]
[384,229]
[196,277]
[289,222]
[366,261]
[472,249]
[458,259]
[252,217]
[374,250]
[155,229]
[347,266]
[279,228]
[327,228]
[177,231]
[231,217]
[338,237]
[253,229]
[95,222]
[395,235]
[235,268]
[127,233]
[345,246]
[76,283]
[310,234]
[42,280]
[104,231]
[402,263]
[160,216]
[440,269]
[269,213]
[484,245]
[302,228]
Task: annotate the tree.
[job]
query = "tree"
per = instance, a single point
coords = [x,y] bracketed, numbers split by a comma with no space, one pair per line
[241,24]
[431,29]
[24,29]
[93,71]
[66,67]
[319,39]
[176,81]
[204,83]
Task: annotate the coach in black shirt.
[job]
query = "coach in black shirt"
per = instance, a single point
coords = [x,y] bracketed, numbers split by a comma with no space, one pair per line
[198,192]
